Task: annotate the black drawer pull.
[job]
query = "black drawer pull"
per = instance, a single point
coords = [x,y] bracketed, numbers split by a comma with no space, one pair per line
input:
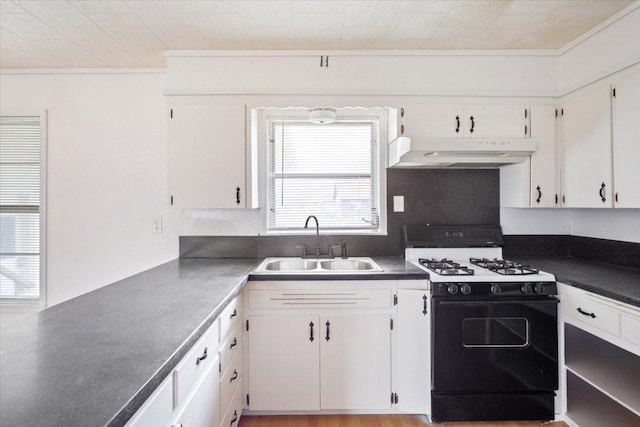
[539,194]
[581,311]
[237,195]
[234,343]
[473,124]
[311,331]
[234,314]
[601,192]
[457,124]
[328,324]
[201,358]
[234,419]
[424,305]
[235,376]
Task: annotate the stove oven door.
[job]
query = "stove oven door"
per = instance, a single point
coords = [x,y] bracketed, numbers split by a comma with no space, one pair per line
[494,346]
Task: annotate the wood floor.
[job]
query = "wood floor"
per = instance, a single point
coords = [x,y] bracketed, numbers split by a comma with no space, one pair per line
[371,421]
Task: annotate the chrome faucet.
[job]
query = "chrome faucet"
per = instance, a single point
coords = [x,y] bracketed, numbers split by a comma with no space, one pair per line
[306,225]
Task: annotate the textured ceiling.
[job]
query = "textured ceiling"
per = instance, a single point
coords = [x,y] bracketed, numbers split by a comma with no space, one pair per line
[51,33]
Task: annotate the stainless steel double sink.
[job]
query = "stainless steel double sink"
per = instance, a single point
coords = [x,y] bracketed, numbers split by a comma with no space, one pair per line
[325,266]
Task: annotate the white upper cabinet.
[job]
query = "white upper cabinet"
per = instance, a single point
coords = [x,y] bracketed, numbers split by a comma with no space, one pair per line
[626,142]
[587,175]
[464,121]
[534,182]
[207,157]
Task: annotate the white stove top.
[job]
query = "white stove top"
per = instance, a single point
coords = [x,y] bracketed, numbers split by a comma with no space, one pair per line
[462,256]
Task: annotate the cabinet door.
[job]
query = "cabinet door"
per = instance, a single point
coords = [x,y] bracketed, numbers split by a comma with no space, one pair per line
[414,351]
[543,160]
[496,121]
[587,150]
[201,407]
[355,360]
[206,156]
[284,366]
[626,143]
[433,121]
[157,410]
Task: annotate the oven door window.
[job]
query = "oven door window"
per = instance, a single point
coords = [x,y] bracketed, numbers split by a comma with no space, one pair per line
[500,332]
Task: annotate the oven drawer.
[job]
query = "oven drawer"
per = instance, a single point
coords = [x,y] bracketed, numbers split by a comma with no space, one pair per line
[580,308]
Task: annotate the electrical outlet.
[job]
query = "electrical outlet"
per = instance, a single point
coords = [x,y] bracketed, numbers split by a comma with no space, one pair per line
[398,203]
[157,225]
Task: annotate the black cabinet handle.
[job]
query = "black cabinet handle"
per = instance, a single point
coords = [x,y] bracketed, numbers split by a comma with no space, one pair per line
[457,124]
[424,305]
[237,195]
[328,324]
[616,197]
[539,194]
[234,377]
[473,124]
[234,343]
[581,311]
[601,192]
[201,358]
[234,419]
[234,314]
[311,331]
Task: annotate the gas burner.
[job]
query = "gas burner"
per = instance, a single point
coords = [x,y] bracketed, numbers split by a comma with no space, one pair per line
[446,267]
[504,267]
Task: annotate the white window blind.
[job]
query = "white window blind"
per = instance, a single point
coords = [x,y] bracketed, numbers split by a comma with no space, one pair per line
[324,170]
[20,142]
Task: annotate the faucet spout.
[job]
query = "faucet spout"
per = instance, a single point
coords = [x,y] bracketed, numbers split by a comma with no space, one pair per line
[306,225]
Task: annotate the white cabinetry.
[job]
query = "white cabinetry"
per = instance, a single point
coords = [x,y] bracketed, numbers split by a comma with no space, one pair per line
[602,359]
[465,121]
[626,142]
[207,156]
[535,182]
[204,388]
[321,345]
[414,350]
[587,179]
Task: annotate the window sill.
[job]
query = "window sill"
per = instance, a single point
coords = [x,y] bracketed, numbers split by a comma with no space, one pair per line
[325,232]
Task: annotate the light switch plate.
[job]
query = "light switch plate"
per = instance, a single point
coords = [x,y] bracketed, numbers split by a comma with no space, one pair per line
[398,203]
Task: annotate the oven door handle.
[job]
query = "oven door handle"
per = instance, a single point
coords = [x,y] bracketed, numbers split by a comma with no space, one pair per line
[500,301]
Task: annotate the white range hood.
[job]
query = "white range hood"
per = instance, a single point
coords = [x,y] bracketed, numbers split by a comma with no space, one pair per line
[405,152]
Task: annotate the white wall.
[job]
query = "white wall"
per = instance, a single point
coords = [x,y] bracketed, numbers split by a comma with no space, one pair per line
[106,177]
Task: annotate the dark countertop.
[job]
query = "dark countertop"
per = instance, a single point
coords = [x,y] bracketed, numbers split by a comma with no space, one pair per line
[95,359]
[618,283]
[394,268]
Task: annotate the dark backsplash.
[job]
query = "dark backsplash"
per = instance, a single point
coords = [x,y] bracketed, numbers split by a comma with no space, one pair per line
[431,196]
[624,254]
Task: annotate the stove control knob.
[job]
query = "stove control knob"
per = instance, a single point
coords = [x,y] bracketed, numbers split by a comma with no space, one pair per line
[465,289]
[526,288]
[539,288]
[495,288]
[452,289]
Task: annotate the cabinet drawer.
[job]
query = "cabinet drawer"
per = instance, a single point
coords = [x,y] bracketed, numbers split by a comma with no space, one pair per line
[631,328]
[157,409]
[230,381]
[231,418]
[331,298]
[230,348]
[230,315]
[580,307]
[195,363]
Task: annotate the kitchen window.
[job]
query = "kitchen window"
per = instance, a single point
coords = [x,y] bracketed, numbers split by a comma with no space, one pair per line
[22,142]
[328,170]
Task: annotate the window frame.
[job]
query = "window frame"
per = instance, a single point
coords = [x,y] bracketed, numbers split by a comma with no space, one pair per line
[14,305]
[267,115]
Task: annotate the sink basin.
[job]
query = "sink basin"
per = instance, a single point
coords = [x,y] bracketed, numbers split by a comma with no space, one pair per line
[293,264]
[349,265]
[315,266]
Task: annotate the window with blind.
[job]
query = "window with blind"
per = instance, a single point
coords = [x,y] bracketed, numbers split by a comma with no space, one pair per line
[326,170]
[20,147]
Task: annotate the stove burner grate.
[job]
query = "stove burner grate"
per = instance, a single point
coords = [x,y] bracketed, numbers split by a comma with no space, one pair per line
[504,267]
[446,267]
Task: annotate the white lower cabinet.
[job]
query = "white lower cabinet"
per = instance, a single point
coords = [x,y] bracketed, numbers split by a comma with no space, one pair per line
[414,351]
[204,390]
[329,348]
[601,358]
